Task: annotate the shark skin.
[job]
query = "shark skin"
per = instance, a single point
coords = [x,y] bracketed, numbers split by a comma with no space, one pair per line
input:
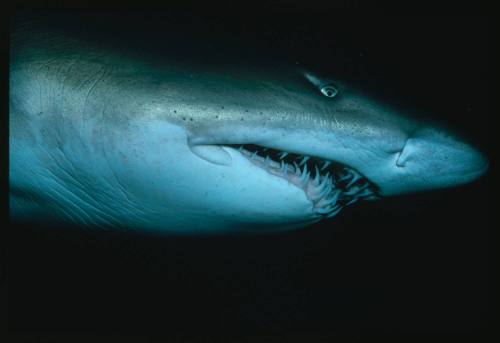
[102,138]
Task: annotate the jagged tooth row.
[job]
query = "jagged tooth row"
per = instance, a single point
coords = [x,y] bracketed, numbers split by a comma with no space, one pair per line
[332,192]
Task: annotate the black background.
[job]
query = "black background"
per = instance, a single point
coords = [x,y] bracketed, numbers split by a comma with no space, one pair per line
[416,264]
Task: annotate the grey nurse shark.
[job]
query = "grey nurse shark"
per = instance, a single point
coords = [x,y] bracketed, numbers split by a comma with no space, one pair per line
[99,138]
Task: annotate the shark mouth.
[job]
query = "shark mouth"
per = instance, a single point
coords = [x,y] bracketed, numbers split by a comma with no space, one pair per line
[329,185]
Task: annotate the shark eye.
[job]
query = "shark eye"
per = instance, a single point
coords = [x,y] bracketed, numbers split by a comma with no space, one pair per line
[329,91]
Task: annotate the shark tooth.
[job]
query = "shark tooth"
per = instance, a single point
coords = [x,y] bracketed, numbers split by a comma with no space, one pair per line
[325,165]
[304,160]
[283,155]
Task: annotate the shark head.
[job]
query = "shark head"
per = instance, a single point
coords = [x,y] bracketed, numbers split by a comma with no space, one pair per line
[291,148]
[321,121]
[173,146]
[397,152]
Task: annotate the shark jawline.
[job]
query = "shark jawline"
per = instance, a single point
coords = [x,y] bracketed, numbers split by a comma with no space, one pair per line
[329,185]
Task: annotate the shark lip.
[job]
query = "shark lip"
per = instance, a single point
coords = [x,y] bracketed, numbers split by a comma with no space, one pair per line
[329,185]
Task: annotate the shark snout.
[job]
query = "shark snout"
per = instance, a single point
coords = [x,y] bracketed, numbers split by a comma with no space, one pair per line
[432,158]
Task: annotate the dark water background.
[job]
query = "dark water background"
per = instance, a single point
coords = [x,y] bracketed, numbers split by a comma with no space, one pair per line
[418,263]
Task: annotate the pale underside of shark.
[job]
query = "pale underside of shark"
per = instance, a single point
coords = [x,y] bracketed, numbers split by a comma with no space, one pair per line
[104,139]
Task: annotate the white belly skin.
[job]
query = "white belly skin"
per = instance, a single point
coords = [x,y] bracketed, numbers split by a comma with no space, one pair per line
[141,176]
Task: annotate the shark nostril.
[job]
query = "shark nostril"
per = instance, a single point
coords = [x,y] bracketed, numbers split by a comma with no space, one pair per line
[401,155]
[399,162]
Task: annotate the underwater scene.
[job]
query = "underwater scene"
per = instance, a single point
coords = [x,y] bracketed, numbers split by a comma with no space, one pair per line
[282,170]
